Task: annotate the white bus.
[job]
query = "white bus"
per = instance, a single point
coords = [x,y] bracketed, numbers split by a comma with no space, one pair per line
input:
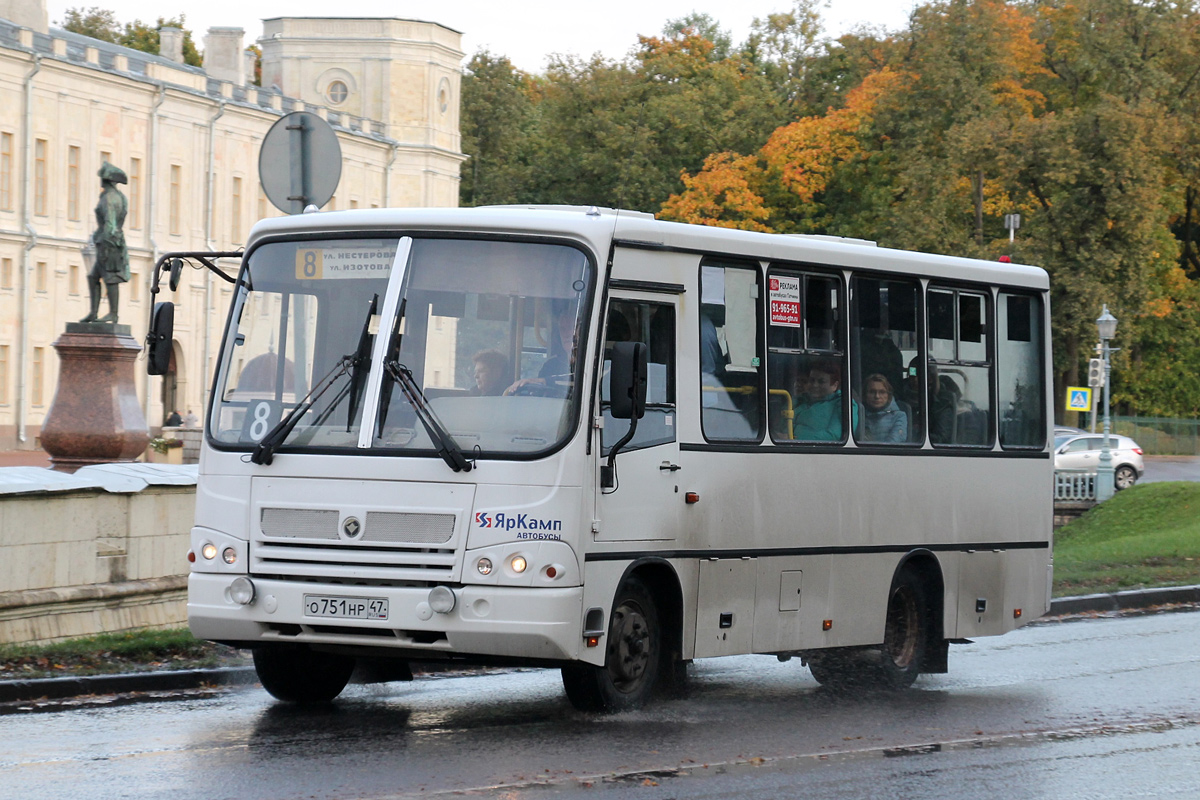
[588,439]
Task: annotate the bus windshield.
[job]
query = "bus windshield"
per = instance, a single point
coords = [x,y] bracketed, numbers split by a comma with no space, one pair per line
[484,338]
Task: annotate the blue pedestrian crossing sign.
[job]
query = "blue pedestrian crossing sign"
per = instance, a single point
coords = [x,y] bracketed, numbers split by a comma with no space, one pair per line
[1079,398]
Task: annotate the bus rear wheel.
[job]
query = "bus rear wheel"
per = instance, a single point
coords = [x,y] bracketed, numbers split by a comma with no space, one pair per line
[297,674]
[897,662]
[632,661]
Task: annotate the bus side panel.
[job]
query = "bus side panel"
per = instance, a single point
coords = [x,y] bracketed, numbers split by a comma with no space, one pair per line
[792,601]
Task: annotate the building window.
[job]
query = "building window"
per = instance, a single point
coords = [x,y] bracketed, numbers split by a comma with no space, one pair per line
[40,276]
[337,92]
[176,178]
[353,204]
[6,171]
[333,203]
[4,351]
[135,288]
[6,273]
[235,211]
[39,177]
[444,96]
[105,155]
[262,205]
[73,183]
[73,280]
[39,370]
[135,193]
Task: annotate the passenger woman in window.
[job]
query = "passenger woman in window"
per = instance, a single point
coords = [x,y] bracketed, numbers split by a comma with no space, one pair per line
[819,414]
[883,419]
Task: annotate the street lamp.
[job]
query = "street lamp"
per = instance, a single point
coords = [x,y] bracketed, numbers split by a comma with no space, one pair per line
[1106,325]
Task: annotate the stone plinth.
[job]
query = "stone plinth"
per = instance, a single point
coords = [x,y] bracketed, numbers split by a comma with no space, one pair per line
[95,417]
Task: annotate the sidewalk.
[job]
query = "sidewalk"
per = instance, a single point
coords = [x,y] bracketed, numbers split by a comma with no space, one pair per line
[20,691]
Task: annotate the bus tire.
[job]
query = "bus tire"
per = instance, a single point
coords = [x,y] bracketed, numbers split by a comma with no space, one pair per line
[632,661]
[297,674]
[906,632]
[908,628]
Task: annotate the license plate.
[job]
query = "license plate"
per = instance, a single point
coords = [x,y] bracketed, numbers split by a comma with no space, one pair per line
[320,605]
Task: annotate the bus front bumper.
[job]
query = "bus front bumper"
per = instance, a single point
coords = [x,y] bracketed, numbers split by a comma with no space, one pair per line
[517,622]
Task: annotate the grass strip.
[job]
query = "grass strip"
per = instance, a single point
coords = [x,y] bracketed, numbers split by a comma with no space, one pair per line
[1144,537]
[128,651]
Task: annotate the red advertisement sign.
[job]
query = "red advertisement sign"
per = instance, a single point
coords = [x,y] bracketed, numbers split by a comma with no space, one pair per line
[785,301]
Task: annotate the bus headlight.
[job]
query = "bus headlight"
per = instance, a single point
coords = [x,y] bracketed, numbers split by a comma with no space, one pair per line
[518,564]
[484,565]
[229,555]
[241,591]
[209,551]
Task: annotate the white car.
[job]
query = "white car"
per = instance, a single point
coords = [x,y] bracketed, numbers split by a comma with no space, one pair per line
[1081,452]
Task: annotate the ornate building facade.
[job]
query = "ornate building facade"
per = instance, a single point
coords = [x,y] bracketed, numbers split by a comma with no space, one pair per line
[188,139]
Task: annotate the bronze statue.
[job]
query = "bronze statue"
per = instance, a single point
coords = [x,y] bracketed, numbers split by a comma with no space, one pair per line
[112,259]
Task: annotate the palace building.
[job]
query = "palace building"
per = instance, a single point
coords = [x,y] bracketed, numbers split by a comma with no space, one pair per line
[188,139]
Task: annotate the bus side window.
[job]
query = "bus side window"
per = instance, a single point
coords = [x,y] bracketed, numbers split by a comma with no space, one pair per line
[653,324]
[885,353]
[729,330]
[959,368]
[1019,345]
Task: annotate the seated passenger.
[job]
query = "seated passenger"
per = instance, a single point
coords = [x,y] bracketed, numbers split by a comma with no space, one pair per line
[819,413]
[883,420]
[491,373]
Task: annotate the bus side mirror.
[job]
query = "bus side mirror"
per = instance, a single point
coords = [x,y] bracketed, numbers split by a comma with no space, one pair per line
[627,380]
[159,338]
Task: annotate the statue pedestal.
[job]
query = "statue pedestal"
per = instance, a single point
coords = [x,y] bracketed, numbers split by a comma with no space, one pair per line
[95,417]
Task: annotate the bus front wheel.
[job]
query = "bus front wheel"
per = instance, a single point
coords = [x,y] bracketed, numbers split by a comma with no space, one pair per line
[896,663]
[632,661]
[296,674]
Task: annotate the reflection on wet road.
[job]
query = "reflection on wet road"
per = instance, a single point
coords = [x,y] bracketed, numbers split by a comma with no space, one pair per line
[1093,708]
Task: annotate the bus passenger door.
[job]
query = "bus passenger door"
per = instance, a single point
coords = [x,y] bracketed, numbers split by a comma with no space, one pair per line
[644,502]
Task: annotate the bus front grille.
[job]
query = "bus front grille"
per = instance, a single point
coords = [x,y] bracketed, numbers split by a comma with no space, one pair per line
[373,545]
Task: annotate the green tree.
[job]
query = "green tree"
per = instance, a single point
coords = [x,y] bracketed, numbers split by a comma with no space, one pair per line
[141,36]
[498,127]
[95,22]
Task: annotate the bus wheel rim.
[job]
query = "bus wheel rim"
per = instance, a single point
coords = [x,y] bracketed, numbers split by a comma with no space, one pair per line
[903,627]
[629,650]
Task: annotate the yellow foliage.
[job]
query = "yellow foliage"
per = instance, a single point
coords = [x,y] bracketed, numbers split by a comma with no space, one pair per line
[720,195]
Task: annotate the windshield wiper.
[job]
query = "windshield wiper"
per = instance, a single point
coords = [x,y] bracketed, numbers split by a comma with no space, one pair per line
[264,452]
[448,449]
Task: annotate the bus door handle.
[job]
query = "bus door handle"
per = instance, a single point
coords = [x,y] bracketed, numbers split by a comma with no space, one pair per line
[667,465]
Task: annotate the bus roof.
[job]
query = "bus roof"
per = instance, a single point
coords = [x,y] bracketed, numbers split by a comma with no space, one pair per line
[600,226]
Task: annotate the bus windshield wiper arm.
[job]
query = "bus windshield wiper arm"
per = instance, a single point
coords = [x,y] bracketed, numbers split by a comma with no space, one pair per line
[448,449]
[264,452]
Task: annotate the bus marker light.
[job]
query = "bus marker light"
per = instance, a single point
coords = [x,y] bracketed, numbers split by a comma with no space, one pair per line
[691,497]
[1016,613]
[209,551]
[442,599]
[191,556]
[229,555]
[827,625]
[484,565]
[551,572]
[241,591]
[592,641]
[518,564]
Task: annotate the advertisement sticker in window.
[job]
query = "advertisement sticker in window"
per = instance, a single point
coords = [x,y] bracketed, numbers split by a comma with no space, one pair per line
[785,301]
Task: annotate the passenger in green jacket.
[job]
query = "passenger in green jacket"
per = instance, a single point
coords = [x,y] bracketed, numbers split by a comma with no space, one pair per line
[819,415]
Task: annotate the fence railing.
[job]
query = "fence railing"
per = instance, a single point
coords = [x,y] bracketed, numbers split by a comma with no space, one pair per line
[1074,485]
[1160,436]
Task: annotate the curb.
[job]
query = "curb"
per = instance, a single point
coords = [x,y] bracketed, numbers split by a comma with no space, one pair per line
[150,681]
[1122,601]
[176,680]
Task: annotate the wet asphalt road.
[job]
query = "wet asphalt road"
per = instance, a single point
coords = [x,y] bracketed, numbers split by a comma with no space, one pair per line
[1171,468]
[1098,708]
